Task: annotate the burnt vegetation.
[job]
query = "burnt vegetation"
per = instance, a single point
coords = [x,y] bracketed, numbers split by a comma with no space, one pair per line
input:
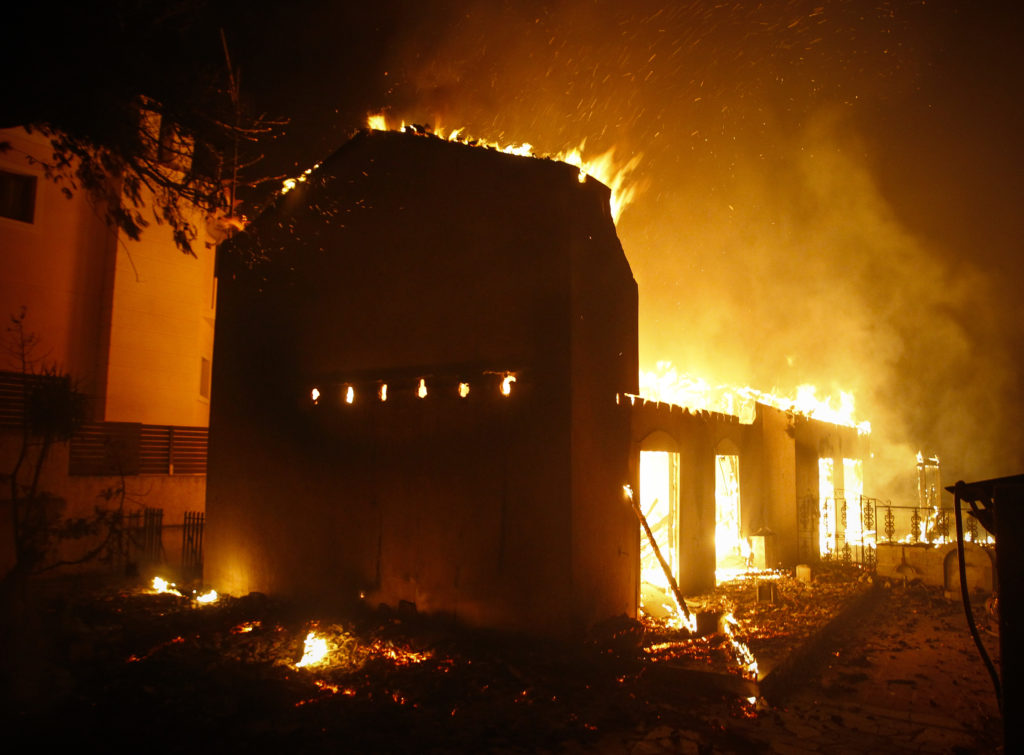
[126,665]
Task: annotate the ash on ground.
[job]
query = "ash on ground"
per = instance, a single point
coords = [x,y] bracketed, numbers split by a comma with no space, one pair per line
[120,666]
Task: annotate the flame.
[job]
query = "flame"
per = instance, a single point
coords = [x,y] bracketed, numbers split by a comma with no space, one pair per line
[314,651]
[666,384]
[383,393]
[210,596]
[616,174]
[315,395]
[506,384]
[290,183]
[422,390]
[350,394]
[463,390]
[161,585]
[745,658]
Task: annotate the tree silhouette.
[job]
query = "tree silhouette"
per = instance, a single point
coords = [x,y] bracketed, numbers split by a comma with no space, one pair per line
[141,106]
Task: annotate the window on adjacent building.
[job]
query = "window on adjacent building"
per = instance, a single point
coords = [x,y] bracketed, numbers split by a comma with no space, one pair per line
[17,196]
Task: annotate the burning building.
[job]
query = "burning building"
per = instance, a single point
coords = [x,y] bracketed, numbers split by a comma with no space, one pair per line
[426,395]
[416,398]
[724,495]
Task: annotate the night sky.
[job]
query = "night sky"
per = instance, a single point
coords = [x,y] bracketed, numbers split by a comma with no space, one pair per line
[830,192]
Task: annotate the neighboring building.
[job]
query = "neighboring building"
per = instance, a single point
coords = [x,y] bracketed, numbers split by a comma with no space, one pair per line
[362,447]
[130,322]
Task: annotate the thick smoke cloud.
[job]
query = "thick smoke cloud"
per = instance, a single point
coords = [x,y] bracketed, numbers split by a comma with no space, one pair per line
[826,188]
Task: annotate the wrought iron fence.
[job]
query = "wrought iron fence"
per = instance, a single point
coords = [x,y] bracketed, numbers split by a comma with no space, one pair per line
[192,544]
[850,531]
[144,530]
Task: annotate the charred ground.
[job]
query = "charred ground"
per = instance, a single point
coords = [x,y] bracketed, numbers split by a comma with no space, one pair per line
[866,667]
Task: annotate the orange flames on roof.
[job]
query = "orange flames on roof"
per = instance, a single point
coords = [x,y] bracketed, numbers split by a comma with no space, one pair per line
[616,174]
[667,384]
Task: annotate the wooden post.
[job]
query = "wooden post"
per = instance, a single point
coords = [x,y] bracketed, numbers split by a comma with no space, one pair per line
[661,559]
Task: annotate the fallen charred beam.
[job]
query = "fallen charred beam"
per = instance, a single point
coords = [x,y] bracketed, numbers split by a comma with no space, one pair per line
[680,600]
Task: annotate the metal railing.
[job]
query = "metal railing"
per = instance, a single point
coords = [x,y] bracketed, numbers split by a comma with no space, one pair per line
[192,544]
[851,531]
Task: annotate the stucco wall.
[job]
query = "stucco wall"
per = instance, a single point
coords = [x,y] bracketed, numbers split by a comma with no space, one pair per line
[58,268]
[79,496]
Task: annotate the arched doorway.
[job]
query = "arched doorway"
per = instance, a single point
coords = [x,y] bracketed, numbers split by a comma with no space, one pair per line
[659,502]
[731,549]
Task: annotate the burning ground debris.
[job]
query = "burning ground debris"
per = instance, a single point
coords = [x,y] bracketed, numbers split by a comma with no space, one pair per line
[750,625]
[134,663]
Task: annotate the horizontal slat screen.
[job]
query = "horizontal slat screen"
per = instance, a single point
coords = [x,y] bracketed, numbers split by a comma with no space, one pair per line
[113,448]
[172,449]
[105,448]
[14,386]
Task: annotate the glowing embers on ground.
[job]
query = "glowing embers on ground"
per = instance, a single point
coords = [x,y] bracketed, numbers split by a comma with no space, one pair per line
[331,658]
[722,649]
[334,646]
[616,174]
[668,385]
[162,586]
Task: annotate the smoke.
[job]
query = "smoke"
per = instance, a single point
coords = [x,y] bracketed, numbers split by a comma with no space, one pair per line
[774,242]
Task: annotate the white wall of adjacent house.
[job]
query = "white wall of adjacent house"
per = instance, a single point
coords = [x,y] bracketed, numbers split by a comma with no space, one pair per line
[161,331]
[131,321]
[56,256]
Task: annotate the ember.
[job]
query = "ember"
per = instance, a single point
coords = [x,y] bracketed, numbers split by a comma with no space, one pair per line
[161,585]
[238,656]
[207,597]
[314,651]
[667,384]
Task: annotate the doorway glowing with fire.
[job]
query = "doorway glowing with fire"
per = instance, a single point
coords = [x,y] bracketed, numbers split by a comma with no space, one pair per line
[659,501]
[731,550]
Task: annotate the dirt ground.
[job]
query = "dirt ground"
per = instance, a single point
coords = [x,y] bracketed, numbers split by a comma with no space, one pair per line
[118,667]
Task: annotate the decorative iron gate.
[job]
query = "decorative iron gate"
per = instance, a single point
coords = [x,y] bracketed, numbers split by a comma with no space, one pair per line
[145,536]
[861,526]
[192,545]
[807,529]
